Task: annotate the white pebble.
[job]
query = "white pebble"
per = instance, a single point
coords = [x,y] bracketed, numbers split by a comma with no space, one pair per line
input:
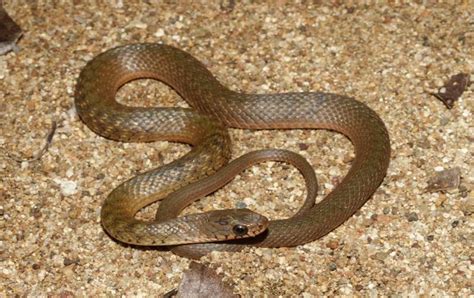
[68,187]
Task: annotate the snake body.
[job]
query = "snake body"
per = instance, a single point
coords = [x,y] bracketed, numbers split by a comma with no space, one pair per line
[214,108]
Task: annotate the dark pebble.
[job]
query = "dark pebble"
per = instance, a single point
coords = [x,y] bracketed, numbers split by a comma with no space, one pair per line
[303,146]
[240,205]
[412,216]
[68,261]
[394,210]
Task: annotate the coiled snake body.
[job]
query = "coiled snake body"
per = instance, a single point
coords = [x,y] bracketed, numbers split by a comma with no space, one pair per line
[204,127]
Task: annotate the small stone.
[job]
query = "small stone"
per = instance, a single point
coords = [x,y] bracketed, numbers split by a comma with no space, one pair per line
[240,205]
[348,158]
[303,146]
[332,266]
[412,216]
[384,219]
[440,201]
[394,210]
[159,33]
[249,201]
[332,244]
[68,261]
[36,212]
[380,256]
[68,187]
[137,24]
[467,207]
[444,179]
[368,222]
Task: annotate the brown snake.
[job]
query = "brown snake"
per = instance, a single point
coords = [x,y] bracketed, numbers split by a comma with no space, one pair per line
[204,127]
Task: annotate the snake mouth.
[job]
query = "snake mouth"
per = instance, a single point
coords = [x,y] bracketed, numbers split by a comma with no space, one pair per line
[260,229]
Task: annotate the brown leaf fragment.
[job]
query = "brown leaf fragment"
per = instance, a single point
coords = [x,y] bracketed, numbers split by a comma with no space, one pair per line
[453,89]
[201,281]
[444,180]
[10,32]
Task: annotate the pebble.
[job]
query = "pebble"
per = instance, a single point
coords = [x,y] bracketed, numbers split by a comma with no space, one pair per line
[412,216]
[68,187]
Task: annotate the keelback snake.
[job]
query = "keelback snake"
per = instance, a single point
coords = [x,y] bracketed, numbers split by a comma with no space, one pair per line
[214,108]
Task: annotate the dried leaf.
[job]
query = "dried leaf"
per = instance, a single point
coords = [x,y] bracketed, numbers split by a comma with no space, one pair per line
[10,32]
[201,281]
[453,89]
[444,180]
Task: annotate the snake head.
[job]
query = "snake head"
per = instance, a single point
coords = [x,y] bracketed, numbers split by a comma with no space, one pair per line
[235,224]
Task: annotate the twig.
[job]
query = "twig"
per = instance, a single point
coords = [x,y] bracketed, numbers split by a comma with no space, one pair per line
[44,149]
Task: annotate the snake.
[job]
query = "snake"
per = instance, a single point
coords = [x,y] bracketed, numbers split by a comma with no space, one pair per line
[213,108]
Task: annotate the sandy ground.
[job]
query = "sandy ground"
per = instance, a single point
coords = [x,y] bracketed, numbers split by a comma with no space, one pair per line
[404,241]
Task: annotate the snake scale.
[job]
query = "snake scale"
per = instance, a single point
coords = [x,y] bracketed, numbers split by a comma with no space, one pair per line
[214,108]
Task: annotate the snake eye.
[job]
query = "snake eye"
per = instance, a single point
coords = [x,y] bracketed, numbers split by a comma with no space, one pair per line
[240,230]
